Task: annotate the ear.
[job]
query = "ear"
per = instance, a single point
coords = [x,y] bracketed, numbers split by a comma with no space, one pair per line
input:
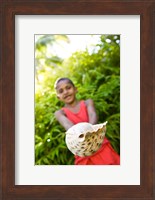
[58,97]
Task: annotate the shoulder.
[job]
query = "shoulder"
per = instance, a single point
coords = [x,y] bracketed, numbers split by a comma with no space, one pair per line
[59,112]
[89,102]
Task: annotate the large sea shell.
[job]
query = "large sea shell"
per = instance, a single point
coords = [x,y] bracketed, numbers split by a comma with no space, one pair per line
[84,139]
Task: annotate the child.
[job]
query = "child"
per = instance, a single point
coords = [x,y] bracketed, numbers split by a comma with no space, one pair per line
[75,112]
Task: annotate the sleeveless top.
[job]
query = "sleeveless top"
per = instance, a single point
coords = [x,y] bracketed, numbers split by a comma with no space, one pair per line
[80,116]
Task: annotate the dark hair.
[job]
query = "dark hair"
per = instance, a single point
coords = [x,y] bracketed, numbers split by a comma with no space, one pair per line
[63,79]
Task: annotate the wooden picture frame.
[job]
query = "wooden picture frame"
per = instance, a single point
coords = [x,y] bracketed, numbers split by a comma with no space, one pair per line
[8,10]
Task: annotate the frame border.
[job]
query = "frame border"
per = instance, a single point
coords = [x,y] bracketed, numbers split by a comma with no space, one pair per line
[8,10]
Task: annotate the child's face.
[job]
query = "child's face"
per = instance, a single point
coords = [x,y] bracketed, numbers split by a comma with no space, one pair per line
[66,92]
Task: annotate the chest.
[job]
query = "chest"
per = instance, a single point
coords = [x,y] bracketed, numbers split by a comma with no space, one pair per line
[75,109]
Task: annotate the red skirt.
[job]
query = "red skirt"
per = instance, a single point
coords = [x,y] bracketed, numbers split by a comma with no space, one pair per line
[104,156]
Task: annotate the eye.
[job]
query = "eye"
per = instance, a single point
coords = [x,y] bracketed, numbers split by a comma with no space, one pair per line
[60,91]
[68,87]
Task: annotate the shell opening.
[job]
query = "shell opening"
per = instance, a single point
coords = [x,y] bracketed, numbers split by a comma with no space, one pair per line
[81,136]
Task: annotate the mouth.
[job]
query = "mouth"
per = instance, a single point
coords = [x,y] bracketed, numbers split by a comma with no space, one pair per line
[68,96]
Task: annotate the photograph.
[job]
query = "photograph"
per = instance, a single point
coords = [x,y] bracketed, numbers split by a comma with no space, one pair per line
[77,102]
[77,99]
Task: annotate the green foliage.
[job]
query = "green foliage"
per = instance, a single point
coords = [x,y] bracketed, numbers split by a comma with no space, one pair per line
[50,147]
[96,75]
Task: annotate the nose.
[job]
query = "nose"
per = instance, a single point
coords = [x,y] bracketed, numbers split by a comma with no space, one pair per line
[65,91]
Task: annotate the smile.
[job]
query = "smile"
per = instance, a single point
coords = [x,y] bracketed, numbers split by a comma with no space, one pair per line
[66,97]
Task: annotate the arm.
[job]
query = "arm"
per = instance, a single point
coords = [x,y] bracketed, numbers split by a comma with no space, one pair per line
[93,119]
[63,120]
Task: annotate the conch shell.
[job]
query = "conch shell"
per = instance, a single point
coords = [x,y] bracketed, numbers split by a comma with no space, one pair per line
[84,139]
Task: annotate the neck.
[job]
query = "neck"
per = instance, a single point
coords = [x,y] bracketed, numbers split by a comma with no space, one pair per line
[72,104]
